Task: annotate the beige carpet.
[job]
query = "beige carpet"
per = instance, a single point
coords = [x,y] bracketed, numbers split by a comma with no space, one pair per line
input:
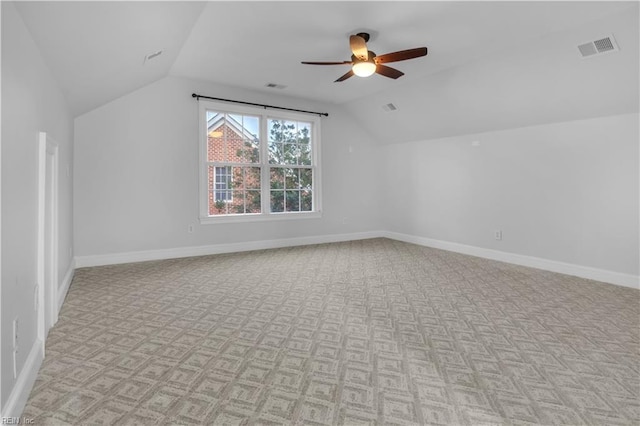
[363,332]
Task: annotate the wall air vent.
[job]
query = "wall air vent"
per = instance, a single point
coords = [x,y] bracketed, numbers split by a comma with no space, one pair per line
[155,54]
[389,107]
[598,47]
[275,86]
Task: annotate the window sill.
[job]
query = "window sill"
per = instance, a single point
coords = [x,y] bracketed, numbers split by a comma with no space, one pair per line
[258,217]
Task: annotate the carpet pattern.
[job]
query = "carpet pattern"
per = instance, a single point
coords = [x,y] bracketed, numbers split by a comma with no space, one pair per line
[363,332]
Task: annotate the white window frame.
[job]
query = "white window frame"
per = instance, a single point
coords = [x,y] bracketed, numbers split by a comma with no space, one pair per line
[265,195]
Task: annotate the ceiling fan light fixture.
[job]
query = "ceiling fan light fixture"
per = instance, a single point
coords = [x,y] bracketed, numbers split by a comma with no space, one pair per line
[364,65]
[364,68]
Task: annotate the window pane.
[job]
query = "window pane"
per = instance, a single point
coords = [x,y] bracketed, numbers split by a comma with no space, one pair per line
[305,154]
[241,149]
[289,142]
[276,131]
[252,178]
[277,201]
[222,181]
[253,202]
[288,131]
[304,133]
[306,178]
[291,178]
[281,135]
[252,125]
[250,128]
[215,147]
[276,153]
[237,178]
[245,151]
[221,195]
[216,131]
[234,190]
[306,201]
[290,154]
[292,200]
[237,205]
[216,207]
[232,138]
[222,178]
[277,178]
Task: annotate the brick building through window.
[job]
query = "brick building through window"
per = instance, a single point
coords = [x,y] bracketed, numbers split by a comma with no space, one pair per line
[234,185]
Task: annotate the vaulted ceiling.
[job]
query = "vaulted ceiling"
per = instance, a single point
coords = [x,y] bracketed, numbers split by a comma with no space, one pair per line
[96,50]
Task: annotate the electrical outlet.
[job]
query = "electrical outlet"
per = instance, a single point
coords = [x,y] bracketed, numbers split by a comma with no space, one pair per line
[190,228]
[497,234]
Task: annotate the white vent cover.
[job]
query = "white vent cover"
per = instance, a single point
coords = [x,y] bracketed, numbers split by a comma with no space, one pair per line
[389,107]
[275,86]
[597,47]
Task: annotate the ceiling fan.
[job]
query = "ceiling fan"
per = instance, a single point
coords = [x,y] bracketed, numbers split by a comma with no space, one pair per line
[365,62]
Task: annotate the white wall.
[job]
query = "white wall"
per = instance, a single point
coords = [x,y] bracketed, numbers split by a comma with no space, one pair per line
[136,174]
[566,191]
[31,102]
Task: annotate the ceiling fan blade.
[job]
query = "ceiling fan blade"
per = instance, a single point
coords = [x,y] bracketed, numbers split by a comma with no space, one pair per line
[388,71]
[401,55]
[327,63]
[344,77]
[358,47]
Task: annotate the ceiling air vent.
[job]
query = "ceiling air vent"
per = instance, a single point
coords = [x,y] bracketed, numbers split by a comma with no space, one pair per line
[598,47]
[153,55]
[275,86]
[389,107]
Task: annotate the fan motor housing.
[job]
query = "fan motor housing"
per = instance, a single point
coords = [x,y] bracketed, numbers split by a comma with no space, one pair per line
[365,36]
[370,58]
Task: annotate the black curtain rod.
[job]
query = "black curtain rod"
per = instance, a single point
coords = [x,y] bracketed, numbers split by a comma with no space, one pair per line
[193,95]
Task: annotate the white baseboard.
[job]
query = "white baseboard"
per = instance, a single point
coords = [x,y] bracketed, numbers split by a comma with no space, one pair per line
[626,280]
[603,275]
[27,377]
[174,253]
[66,282]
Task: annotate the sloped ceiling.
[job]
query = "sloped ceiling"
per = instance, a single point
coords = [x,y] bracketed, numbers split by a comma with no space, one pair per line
[249,44]
[96,51]
[544,80]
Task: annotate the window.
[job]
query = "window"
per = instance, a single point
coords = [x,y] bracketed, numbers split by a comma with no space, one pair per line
[222,184]
[258,165]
